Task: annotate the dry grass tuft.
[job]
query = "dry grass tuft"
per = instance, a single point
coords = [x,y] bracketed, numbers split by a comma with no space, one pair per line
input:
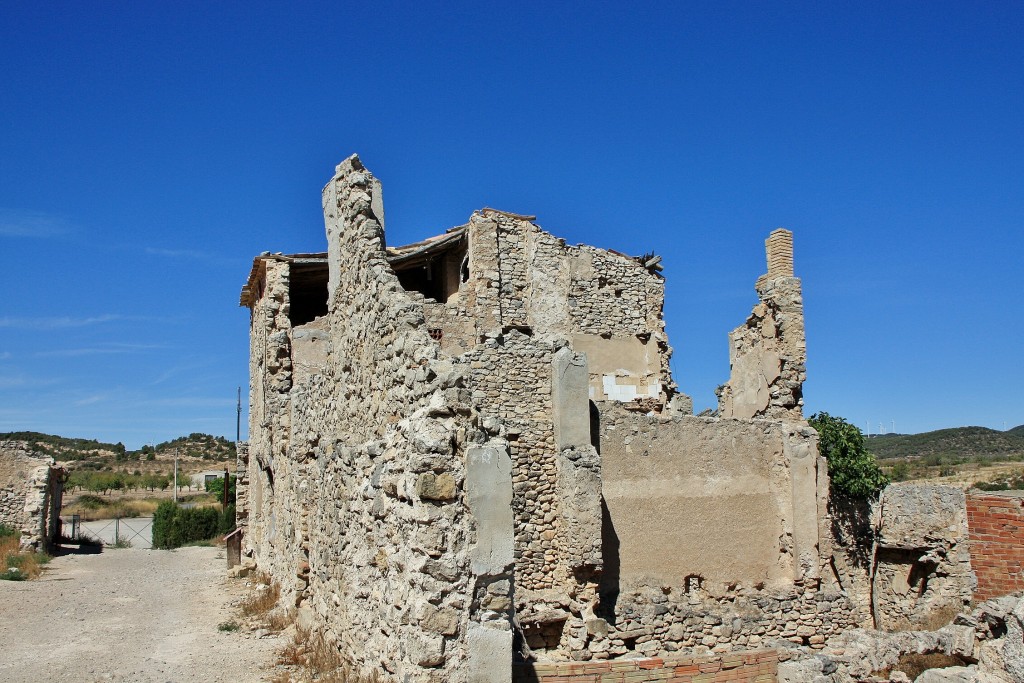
[913,665]
[263,598]
[19,566]
[937,618]
[280,619]
[311,657]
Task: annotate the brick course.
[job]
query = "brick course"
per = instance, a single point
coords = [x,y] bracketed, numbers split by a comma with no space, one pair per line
[755,666]
[996,525]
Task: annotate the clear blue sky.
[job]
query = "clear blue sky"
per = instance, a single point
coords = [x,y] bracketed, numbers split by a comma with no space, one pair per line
[149,150]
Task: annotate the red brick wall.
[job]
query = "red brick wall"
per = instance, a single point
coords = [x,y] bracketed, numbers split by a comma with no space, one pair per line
[756,666]
[996,526]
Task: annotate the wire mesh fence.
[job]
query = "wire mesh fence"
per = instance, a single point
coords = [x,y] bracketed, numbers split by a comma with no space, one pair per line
[136,532]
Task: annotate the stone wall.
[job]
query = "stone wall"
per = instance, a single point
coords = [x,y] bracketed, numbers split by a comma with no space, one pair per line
[372,479]
[768,354]
[31,492]
[996,523]
[607,304]
[711,536]
[904,560]
[922,574]
[755,666]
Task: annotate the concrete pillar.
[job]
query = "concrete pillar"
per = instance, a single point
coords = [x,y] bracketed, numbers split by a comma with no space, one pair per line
[489,495]
[570,399]
[489,489]
[802,451]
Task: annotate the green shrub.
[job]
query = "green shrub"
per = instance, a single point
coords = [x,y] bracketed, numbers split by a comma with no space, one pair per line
[216,487]
[852,470]
[175,526]
[91,502]
[13,574]
[162,519]
[8,531]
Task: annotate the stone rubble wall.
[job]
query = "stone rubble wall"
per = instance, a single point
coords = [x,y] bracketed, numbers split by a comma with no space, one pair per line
[512,382]
[31,492]
[922,575]
[768,354]
[906,560]
[523,277]
[996,524]
[852,552]
[371,471]
[268,470]
[529,295]
[242,504]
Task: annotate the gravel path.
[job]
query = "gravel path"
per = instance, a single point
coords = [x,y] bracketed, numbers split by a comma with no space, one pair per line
[127,615]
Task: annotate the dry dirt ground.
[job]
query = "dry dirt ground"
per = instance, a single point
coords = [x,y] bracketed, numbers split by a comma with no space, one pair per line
[128,615]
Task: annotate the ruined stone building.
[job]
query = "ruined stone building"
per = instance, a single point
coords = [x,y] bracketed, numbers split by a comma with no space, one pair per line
[31,493]
[469,461]
[470,451]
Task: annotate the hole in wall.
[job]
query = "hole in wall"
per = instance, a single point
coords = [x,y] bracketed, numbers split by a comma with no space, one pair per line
[307,292]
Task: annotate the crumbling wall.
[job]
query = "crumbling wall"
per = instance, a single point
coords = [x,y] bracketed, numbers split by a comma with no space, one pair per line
[922,565]
[512,382]
[996,524]
[242,504]
[768,354]
[607,304]
[711,536]
[851,551]
[527,297]
[375,489]
[31,491]
[270,370]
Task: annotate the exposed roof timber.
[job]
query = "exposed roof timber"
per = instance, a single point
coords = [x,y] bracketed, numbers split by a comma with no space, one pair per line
[413,254]
[518,216]
[258,271]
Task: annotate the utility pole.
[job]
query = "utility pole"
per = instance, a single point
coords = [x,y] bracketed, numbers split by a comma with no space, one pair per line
[174,484]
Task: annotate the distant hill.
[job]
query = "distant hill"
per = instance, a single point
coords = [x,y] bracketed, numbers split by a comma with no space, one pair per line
[958,442]
[64,449]
[197,445]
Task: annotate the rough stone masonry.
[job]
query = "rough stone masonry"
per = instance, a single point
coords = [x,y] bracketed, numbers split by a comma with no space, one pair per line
[470,451]
[31,493]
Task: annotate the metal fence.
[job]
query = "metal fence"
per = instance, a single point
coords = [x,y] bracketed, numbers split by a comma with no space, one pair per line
[134,531]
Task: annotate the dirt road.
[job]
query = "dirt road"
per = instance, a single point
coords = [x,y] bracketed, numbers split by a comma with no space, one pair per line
[127,615]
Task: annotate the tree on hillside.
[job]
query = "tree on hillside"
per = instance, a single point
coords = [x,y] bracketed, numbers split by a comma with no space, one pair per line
[852,469]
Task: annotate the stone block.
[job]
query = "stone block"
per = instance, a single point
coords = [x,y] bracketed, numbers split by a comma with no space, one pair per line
[441,487]
[490,654]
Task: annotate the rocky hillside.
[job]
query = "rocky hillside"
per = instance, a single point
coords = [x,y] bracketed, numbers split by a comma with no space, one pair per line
[958,442]
[197,445]
[88,452]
